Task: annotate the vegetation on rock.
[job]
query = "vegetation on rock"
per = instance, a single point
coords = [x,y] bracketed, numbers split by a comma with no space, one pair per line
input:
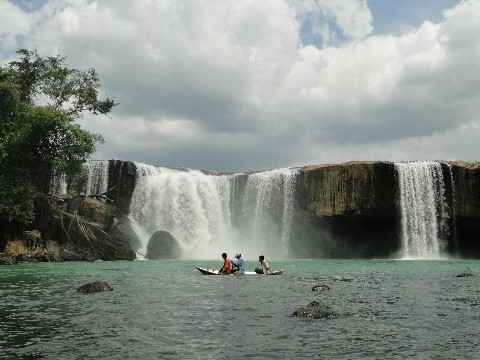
[40,101]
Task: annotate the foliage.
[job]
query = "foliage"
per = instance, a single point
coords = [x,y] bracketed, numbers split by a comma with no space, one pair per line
[40,100]
[71,90]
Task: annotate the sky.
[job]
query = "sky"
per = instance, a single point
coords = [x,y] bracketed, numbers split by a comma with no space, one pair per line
[250,85]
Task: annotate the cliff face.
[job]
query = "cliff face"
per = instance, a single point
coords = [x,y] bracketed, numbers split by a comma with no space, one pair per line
[356,206]
[121,183]
[81,228]
[349,210]
[466,207]
[351,189]
[466,189]
[94,225]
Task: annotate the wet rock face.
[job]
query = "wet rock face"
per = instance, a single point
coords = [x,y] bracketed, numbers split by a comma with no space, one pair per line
[316,310]
[93,287]
[121,182]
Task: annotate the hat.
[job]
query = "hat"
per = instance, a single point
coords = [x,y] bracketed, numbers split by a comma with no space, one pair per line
[238,254]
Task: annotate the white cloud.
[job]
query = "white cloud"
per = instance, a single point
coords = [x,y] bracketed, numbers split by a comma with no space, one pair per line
[13,22]
[228,85]
[352,17]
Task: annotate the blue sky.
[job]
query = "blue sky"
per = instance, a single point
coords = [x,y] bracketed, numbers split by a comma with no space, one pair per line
[395,16]
[249,85]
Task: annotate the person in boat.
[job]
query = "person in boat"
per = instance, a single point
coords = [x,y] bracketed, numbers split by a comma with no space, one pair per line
[238,266]
[227,265]
[265,268]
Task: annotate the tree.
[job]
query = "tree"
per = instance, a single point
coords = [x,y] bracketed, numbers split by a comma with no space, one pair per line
[72,90]
[38,140]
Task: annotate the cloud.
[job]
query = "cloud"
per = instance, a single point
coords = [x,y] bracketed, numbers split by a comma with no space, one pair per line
[325,17]
[232,85]
[13,22]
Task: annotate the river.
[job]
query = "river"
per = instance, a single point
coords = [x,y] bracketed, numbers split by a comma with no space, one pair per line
[390,309]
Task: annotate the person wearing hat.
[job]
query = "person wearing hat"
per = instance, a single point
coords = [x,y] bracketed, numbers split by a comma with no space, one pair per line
[238,266]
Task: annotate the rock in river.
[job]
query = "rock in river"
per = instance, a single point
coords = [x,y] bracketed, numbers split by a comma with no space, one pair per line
[316,310]
[95,286]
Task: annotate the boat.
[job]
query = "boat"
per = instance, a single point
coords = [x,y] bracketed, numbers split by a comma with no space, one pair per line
[206,271]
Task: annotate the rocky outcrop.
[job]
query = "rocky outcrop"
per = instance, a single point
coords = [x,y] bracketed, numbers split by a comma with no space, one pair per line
[8,259]
[81,227]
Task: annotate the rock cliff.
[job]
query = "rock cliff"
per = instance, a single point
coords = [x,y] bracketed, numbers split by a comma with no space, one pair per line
[347,210]
[82,228]
[356,205]
[351,189]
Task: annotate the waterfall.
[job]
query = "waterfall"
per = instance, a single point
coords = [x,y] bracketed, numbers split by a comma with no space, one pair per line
[58,185]
[97,182]
[211,214]
[424,210]
[93,180]
[268,205]
[207,214]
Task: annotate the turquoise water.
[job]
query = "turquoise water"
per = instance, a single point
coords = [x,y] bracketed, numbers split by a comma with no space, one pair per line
[167,310]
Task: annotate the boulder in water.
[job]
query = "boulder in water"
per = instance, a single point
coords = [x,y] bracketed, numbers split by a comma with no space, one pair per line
[320,287]
[465,274]
[163,245]
[316,310]
[95,286]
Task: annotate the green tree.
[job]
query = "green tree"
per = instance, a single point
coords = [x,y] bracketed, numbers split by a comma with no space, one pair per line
[71,90]
[40,101]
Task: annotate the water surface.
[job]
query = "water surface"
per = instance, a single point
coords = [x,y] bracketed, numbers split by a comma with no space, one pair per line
[167,310]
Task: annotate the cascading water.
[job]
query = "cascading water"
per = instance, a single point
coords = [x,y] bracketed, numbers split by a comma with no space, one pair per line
[268,206]
[424,210]
[58,185]
[94,179]
[211,214]
[97,182]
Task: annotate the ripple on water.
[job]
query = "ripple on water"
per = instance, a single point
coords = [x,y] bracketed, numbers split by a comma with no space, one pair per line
[169,310]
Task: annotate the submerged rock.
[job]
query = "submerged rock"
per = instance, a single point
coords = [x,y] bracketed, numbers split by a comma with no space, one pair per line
[95,286]
[320,287]
[465,274]
[316,310]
